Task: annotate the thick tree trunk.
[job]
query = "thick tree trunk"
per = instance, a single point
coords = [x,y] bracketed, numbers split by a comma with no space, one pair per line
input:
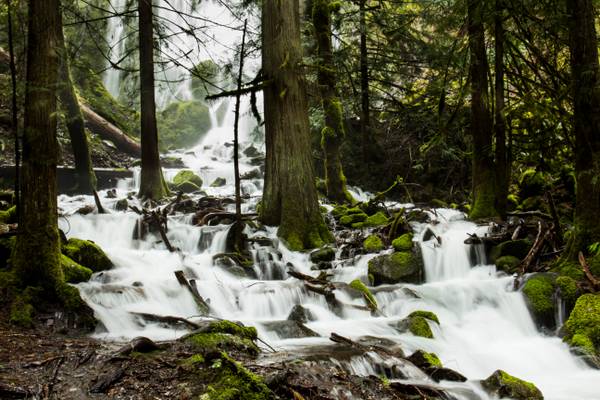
[484,180]
[86,178]
[37,252]
[586,94]
[333,132]
[107,131]
[152,183]
[365,119]
[290,195]
[502,176]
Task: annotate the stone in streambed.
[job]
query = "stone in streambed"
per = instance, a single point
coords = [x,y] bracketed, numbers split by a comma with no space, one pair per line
[402,266]
[504,385]
[288,329]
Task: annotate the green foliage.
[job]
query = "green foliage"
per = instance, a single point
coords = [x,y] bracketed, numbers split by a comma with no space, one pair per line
[507,264]
[8,216]
[373,244]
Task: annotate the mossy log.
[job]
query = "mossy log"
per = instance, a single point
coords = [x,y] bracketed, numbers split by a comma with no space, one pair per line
[101,127]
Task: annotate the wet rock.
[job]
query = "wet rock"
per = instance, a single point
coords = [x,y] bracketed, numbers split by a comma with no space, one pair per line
[395,268]
[516,248]
[411,391]
[439,374]
[140,344]
[418,216]
[87,253]
[289,329]
[111,194]
[186,181]
[539,293]
[300,314]
[503,385]
[87,209]
[423,359]
[121,205]
[252,174]
[373,244]
[417,323]
[251,152]
[219,182]
[322,266]
[322,254]
[172,162]
[257,161]
[507,264]
[403,243]
[185,187]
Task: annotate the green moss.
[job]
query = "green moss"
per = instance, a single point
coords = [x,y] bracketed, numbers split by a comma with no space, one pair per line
[224,326]
[339,211]
[373,244]
[539,291]
[568,288]
[504,385]
[87,253]
[183,124]
[584,321]
[349,219]
[377,219]
[418,326]
[437,203]
[194,360]
[507,264]
[569,269]
[210,342]
[425,314]
[484,201]
[187,176]
[516,248]
[21,312]
[532,183]
[583,342]
[398,267]
[6,247]
[9,216]
[73,272]
[322,254]
[354,210]
[204,76]
[403,243]
[231,381]
[432,359]
[368,296]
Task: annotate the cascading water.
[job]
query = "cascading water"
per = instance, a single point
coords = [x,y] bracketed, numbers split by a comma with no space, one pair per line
[484,324]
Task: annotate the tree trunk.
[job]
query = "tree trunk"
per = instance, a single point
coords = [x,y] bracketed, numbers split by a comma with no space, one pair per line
[86,178]
[333,133]
[502,176]
[107,131]
[586,95]
[152,183]
[37,252]
[365,119]
[290,195]
[484,186]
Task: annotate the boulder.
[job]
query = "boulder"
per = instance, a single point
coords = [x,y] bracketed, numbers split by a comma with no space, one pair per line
[403,243]
[322,254]
[300,314]
[423,359]
[87,253]
[516,248]
[507,264]
[219,182]
[402,266]
[539,292]
[182,124]
[288,329]
[187,176]
[417,323]
[373,244]
[367,295]
[73,272]
[503,385]
[121,205]
[582,329]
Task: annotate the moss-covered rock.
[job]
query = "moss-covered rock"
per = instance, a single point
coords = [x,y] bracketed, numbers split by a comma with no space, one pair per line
[516,248]
[418,326]
[532,183]
[393,268]
[186,181]
[219,182]
[377,219]
[88,254]
[504,385]
[74,272]
[9,216]
[121,205]
[350,219]
[424,360]
[205,76]
[539,294]
[323,254]
[403,243]
[225,336]
[21,312]
[373,244]
[568,289]
[425,314]
[183,124]
[507,264]
[583,325]
[367,295]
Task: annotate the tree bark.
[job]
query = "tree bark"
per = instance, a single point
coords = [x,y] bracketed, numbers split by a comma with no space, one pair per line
[484,187]
[152,183]
[101,127]
[502,175]
[365,118]
[586,94]
[86,178]
[37,253]
[290,195]
[333,132]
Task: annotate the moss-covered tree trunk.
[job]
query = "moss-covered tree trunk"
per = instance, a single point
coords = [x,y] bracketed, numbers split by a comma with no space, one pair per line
[333,132]
[365,118]
[152,183]
[484,179]
[502,176]
[37,253]
[586,95]
[86,178]
[290,195]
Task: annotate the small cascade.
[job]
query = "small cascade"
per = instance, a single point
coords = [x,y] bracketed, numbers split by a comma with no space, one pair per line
[116,39]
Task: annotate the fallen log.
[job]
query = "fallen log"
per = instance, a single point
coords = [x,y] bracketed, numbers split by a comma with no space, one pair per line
[193,289]
[167,319]
[101,127]
[533,252]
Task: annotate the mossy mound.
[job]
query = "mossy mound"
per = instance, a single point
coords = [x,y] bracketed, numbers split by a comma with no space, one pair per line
[74,272]
[418,326]
[539,294]
[568,289]
[368,296]
[504,385]
[9,216]
[393,268]
[224,336]
[403,243]
[516,248]
[424,360]
[350,219]
[582,329]
[373,244]
[377,219]
[186,181]
[323,254]
[507,264]
[425,314]
[183,124]
[87,253]
[532,183]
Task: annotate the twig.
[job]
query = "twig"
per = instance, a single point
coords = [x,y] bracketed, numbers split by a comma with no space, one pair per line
[588,274]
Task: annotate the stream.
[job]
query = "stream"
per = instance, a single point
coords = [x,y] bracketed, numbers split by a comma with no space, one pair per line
[484,324]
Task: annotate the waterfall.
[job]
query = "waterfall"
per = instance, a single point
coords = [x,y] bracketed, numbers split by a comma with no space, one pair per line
[115,37]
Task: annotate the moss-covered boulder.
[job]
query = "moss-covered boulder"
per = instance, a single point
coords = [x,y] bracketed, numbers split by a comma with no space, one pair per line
[503,385]
[539,292]
[350,219]
[425,314]
[88,254]
[219,182]
[183,124]
[224,336]
[423,359]
[367,295]
[377,219]
[417,323]
[324,254]
[74,272]
[205,76]
[186,181]
[532,183]
[9,216]
[373,244]
[403,243]
[582,329]
[402,266]
[507,264]
[516,248]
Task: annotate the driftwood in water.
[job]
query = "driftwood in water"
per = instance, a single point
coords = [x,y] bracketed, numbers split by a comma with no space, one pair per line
[154,219]
[98,203]
[166,319]
[588,274]
[101,127]
[193,289]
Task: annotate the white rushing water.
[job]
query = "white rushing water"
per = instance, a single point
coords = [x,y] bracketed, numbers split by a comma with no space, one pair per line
[484,324]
